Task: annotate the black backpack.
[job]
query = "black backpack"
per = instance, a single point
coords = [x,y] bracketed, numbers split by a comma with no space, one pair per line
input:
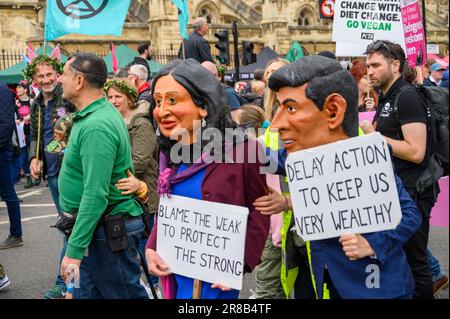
[436,103]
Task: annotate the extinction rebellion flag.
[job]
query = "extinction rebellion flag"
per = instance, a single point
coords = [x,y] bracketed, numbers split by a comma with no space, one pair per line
[92,17]
[183,16]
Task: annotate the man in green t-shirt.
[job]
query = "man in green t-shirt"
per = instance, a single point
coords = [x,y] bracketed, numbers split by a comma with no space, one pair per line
[97,156]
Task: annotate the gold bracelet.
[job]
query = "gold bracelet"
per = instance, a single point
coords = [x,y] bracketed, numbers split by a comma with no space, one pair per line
[142,190]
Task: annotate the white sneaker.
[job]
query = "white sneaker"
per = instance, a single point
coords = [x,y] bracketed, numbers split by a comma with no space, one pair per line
[147,288]
[4,282]
[149,291]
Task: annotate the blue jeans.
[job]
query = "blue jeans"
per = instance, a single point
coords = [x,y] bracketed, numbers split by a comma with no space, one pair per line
[53,185]
[25,164]
[112,275]
[8,193]
[142,244]
[16,165]
[59,281]
[435,268]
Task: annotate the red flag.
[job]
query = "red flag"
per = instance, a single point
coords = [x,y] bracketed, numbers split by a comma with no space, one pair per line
[56,53]
[115,62]
[30,53]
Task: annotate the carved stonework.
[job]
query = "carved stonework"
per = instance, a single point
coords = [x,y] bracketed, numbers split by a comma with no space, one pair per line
[265,22]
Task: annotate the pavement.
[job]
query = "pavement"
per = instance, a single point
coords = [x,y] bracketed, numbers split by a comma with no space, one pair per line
[32,267]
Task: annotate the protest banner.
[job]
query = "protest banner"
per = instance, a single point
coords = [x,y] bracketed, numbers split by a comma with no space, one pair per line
[439,213]
[366,116]
[345,187]
[345,49]
[365,21]
[202,240]
[93,17]
[414,32]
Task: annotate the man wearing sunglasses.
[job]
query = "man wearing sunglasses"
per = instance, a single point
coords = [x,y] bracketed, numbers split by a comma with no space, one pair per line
[405,129]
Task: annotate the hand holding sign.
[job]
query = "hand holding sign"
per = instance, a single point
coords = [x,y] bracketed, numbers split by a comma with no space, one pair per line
[221,287]
[370,104]
[367,127]
[271,204]
[156,265]
[356,246]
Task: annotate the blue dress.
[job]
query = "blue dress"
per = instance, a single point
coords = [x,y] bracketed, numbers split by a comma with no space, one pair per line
[192,188]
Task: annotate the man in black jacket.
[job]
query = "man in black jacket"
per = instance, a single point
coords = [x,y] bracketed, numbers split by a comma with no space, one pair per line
[7,191]
[405,129]
[196,47]
[145,54]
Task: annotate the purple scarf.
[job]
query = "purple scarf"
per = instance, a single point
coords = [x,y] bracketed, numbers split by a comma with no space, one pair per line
[169,175]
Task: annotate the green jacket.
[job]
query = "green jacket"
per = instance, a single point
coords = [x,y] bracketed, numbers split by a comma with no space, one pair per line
[61,107]
[144,150]
[97,156]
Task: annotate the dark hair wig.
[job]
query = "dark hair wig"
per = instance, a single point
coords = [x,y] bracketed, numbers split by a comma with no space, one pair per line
[206,92]
[324,77]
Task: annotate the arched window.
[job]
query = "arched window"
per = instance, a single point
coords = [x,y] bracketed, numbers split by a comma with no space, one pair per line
[206,12]
[305,18]
[258,8]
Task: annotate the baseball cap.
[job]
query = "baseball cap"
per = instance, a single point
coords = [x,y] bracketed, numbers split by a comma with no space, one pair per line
[436,67]
[24,84]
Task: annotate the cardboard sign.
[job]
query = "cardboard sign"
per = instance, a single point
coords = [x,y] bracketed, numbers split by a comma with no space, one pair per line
[202,240]
[432,48]
[366,116]
[345,49]
[21,135]
[347,187]
[365,21]
[414,33]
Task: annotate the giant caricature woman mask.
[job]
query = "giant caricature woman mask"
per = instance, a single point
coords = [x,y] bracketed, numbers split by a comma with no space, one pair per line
[175,111]
[185,97]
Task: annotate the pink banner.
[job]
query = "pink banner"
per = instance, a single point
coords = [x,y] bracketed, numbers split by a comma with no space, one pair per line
[413,30]
[366,116]
[439,213]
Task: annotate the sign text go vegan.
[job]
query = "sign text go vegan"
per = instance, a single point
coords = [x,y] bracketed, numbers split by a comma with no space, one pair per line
[343,188]
[359,21]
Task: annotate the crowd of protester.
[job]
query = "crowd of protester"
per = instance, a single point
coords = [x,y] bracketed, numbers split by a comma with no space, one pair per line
[121,162]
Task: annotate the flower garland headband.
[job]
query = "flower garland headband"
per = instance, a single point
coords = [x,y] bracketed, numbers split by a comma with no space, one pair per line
[29,71]
[123,87]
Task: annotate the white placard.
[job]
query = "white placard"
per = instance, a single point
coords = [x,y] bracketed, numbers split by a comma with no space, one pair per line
[365,21]
[350,49]
[432,48]
[203,240]
[21,134]
[345,187]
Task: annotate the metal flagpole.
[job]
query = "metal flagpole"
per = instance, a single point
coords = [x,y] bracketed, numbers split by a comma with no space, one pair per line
[45,28]
[183,48]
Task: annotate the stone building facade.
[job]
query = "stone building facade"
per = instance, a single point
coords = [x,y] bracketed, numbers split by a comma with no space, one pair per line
[272,23]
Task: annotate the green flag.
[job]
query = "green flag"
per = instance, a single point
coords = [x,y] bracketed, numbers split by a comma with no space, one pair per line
[183,16]
[295,52]
[93,17]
